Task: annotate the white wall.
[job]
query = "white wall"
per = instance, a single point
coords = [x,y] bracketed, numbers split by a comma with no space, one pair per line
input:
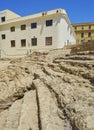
[12,15]
[40,33]
[2,14]
[8,15]
[60,31]
[65,33]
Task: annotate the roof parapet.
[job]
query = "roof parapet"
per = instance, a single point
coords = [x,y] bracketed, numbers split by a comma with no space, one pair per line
[46,13]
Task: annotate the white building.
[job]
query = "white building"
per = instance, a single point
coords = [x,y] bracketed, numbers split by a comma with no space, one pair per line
[38,32]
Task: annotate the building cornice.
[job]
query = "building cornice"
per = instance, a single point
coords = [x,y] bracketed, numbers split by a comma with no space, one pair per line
[81,24]
[58,12]
[34,16]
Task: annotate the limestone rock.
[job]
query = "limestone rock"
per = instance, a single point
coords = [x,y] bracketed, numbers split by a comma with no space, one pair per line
[47,91]
[29,112]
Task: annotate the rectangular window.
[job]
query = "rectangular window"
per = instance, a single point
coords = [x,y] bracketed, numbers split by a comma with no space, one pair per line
[34,41]
[82,35]
[89,40]
[23,43]
[12,29]
[48,40]
[75,28]
[12,43]
[3,36]
[23,27]
[33,25]
[89,27]
[89,34]
[82,27]
[2,19]
[49,22]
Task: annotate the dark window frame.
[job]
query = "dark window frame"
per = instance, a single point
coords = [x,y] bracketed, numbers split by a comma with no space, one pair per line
[49,23]
[3,36]
[89,27]
[89,40]
[48,41]
[3,19]
[75,27]
[23,42]
[23,27]
[12,29]
[82,27]
[33,25]
[82,35]
[89,34]
[34,41]
[12,43]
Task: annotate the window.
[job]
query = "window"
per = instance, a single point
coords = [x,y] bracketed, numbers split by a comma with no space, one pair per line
[49,22]
[2,19]
[48,40]
[89,27]
[89,40]
[75,28]
[33,25]
[34,41]
[89,34]
[23,42]
[12,43]
[82,35]
[82,27]
[12,29]
[23,27]
[3,36]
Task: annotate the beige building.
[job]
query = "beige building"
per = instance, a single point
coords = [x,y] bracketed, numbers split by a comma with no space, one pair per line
[39,32]
[84,32]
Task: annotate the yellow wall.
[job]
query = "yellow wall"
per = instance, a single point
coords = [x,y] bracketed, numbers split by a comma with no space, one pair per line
[84,28]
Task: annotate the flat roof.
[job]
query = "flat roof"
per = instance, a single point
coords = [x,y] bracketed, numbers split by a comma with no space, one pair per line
[62,11]
[33,16]
[84,23]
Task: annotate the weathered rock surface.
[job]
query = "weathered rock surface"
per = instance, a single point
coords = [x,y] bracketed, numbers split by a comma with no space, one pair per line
[47,92]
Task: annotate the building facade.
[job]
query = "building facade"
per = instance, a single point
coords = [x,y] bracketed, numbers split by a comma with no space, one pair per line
[39,32]
[84,32]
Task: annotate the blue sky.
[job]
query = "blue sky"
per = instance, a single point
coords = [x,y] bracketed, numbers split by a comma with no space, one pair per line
[77,10]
